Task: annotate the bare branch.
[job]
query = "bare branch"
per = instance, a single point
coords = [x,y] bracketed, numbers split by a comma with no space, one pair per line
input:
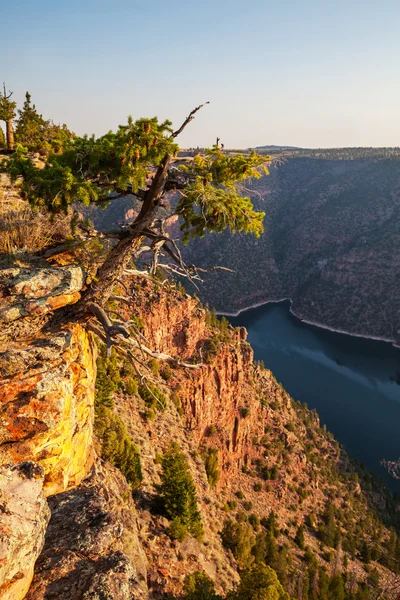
[145,275]
[188,119]
[110,329]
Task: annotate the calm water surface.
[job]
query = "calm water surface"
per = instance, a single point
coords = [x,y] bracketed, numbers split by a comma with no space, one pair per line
[351,382]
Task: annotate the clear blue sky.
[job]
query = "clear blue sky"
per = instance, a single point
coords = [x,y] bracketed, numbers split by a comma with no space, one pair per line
[313,73]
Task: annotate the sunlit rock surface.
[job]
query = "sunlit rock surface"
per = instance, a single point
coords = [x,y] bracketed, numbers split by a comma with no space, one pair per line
[24,515]
[46,400]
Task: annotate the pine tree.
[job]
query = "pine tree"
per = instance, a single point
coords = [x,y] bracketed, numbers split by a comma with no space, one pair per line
[259,582]
[90,169]
[336,588]
[30,129]
[177,493]
[299,538]
[7,114]
[3,143]
[37,134]
[198,586]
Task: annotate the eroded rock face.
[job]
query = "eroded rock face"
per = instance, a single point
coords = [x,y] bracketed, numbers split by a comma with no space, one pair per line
[218,394]
[24,515]
[46,400]
[92,549]
[37,291]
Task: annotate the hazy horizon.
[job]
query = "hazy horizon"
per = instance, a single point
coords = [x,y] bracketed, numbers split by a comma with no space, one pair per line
[304,74]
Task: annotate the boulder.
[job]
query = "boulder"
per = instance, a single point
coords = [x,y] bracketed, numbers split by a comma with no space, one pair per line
[92,550]
[24,515]
[36,291]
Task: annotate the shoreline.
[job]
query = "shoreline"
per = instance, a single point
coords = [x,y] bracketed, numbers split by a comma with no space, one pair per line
[308,322]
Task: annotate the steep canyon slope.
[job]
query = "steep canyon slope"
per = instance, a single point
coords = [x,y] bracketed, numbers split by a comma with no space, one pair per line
[331,244]
[271,484]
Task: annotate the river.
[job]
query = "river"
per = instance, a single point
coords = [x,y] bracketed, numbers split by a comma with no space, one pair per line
[351,382]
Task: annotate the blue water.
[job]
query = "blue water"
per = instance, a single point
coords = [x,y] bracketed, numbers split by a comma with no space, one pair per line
[351,382]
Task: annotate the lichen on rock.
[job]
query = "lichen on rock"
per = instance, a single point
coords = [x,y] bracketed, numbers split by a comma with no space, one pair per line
[24,515]
[47,395]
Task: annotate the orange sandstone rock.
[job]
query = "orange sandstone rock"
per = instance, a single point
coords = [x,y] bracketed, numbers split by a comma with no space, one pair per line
[47,396]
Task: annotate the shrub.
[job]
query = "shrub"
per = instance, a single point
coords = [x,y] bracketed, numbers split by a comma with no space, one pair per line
[177,529]
[248,505]
[131,386]
[257,487]
[139,322]
[239,538]
[108,377]
[178,494]
[244,411]
[210,458]
[239,494]
[149,414]
[211,430]
[117,446]
[257,582]
[198,586]
[154,366]
[153,397]
[299,537]
[254,521]
[166,372]
[177,403]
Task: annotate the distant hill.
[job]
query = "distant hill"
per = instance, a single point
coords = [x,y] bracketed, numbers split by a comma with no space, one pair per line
[272,147]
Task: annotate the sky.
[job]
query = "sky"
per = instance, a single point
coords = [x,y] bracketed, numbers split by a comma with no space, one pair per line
[309,73]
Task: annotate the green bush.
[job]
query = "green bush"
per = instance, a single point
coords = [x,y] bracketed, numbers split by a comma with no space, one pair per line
[177,529]
[198,586]
[131,386]
[139,322]
[177,403]
[108,378]
[254,521]
[166,372]
[149,414]
[210,458]
[117,446]
[154,366]
[239,538]
[177,494]
[153,397]
[259,582]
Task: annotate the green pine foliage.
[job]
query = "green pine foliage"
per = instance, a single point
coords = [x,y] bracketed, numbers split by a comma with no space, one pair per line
[3,143]
[8,108]
[153,397]
[117,446]
[211,201]
[240,539]
[177,494]
[210,458]
[259,582]
[108,378]
[89,169]
[198,586]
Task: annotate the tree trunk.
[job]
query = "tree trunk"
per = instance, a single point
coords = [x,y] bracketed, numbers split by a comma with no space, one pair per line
[10,135]
[119,257]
